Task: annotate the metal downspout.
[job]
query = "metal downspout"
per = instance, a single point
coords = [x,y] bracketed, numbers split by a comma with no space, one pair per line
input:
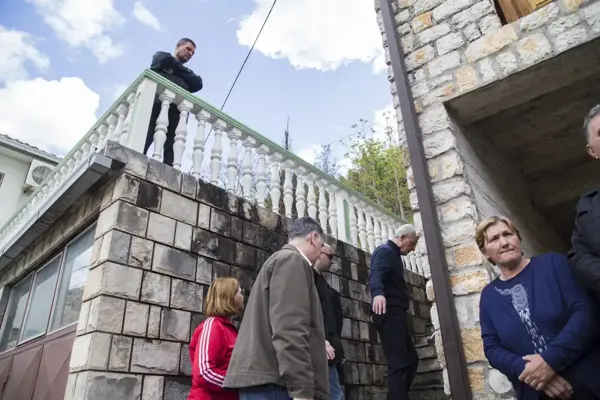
[449,326]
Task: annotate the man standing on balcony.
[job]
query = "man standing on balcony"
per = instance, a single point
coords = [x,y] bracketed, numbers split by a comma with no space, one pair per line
[389,303]
[171,67]
[331,307]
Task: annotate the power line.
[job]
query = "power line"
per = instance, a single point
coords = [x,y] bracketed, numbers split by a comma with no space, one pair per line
[244,63]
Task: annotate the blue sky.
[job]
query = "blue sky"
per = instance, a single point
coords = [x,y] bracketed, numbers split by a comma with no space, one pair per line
[319,62]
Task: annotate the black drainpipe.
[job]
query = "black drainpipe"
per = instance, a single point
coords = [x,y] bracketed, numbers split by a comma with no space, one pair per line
[453,349]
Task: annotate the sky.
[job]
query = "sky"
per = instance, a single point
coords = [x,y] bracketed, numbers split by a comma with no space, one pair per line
[319,63]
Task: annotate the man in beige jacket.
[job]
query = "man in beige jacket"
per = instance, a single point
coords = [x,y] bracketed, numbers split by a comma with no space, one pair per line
[280,350]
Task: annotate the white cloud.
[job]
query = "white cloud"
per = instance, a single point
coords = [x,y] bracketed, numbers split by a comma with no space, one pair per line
[51,115]
[16,49]
[118,91]
[319,34]
[84,24]
[309,153]
[145,16]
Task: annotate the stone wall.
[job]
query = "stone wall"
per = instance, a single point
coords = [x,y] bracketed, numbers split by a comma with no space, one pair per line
[453,47]
[161,237]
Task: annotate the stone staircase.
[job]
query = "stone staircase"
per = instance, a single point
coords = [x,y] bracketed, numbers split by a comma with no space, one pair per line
[429,382]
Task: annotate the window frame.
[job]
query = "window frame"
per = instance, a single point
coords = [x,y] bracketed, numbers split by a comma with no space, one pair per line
[48,331]
[31,289]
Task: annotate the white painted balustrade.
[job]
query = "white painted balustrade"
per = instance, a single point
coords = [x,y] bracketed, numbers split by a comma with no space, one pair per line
[226,153]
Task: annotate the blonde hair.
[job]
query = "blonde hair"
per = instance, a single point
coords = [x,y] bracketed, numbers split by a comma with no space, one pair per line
[220,300]
[480,236]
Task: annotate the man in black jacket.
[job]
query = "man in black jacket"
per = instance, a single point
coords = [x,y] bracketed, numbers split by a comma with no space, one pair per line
[171,67]
[332,321]
[389,303]
[584,256]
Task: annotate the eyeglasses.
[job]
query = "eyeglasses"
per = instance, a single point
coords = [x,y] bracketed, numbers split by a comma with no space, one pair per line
[330,256]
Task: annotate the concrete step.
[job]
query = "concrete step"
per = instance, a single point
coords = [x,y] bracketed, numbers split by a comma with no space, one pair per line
[428,378]
[426,351]
[428,365]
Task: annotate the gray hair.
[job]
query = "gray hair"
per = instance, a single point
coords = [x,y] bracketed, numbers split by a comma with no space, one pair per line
[594,112]
[304,226]
[405,230]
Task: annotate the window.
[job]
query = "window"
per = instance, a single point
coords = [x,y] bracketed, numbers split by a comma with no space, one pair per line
[512,10]
[40,305]
[11,326]
[74,275]
[53,292]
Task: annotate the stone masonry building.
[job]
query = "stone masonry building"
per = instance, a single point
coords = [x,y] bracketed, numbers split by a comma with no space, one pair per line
[499,108]
[147,241]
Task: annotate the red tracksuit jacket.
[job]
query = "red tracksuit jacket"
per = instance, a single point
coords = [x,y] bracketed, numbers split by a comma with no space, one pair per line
[210,351]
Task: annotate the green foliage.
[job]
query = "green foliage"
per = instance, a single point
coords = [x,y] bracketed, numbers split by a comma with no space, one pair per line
[378,171]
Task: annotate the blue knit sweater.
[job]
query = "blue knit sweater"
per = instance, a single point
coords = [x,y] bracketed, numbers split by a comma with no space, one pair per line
[542,310]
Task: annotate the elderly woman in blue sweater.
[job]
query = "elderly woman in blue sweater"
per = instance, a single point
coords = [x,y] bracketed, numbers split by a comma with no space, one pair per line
[538,325]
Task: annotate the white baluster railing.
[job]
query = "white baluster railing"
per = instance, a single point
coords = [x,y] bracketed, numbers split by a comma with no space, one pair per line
[226,153]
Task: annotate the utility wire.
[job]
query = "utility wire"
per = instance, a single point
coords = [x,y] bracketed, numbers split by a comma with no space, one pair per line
[242,66]
[244,63]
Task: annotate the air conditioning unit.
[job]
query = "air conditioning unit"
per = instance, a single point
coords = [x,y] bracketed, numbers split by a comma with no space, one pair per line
[37,174]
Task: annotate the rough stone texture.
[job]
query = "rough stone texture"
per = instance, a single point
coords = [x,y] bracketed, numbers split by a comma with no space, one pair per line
[149,302]
[161,229]
[468,171]
[155,357]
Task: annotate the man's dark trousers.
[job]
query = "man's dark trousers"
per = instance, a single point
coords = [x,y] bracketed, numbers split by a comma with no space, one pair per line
[399,350]
[173,121]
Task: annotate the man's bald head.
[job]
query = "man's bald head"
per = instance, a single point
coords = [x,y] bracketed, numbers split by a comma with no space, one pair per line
[324,261]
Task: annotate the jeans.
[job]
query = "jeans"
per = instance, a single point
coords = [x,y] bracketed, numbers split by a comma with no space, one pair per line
[400,352]
[335,389]
[173,115]
[267,392]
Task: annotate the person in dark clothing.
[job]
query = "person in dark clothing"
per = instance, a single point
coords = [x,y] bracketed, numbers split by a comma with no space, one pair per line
[389,303]
[537,323]
[171,67]
[584,257]
[332,321]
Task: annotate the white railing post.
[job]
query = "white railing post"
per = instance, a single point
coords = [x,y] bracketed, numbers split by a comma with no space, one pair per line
[145,96]
[249,143]
[300,192]
[354,221]
[362,227]
[288,188]
[234,136]
[181,133]
[377,229]
[312,197]
[261,175]
[275,181]
[342,218]
[391,228]
[216,151]
[370,235]
[198,155]
[323,216]
[124,132]
[162,123]
[333,223]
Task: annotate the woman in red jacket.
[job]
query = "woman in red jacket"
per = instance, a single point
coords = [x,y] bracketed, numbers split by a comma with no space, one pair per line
[213,341]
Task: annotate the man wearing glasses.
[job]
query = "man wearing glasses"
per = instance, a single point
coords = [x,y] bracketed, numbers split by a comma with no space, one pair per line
[390,302]
[332,321]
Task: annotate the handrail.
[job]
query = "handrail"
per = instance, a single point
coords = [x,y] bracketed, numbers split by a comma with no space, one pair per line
[239,125]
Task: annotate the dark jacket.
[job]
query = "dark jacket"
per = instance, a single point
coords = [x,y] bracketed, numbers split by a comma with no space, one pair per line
[584,256]
[281,340]
[168,66]
[331,306]
[558,311]
[386,277]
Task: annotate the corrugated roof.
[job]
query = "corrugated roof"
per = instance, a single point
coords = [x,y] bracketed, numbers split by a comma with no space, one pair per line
[12,139]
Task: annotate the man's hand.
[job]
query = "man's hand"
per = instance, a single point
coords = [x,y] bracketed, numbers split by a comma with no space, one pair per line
[559,388]
[379,305]
[537,372]
[330,351]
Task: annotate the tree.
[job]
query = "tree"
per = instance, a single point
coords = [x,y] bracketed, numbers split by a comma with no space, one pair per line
[379,172]
[326,162]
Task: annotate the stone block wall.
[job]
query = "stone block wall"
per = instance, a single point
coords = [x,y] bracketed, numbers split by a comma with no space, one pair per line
[161,238]
[453,47]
